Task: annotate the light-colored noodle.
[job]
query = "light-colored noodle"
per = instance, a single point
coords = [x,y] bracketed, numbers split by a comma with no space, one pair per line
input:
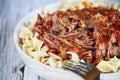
[113,65]
[33,47]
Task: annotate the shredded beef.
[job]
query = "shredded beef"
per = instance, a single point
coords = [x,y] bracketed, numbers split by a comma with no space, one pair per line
[92,33]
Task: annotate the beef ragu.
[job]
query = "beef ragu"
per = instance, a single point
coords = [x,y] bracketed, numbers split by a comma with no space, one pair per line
[92,33]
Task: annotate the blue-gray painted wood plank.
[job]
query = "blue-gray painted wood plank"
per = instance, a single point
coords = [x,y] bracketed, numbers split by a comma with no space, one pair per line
[11,11]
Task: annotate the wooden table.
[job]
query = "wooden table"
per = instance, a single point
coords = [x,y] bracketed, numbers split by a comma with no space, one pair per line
[11,11]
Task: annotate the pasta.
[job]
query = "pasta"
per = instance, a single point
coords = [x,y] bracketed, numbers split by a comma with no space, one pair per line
[33,47]
[113,65]
[74,56]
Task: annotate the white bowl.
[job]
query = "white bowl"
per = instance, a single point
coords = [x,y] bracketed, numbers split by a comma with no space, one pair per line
[47,72]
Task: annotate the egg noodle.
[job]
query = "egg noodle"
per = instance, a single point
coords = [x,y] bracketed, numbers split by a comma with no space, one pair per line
[30,43]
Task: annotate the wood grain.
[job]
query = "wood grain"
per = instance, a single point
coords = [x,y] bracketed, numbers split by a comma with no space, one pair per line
[11,11]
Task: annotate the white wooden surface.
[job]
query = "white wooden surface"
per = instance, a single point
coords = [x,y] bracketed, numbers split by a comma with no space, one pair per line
[11,11]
